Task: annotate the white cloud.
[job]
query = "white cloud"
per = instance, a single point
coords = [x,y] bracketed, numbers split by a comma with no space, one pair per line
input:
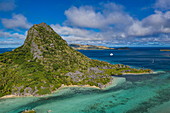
[7,5]
[114,23]
[8,39]
[65,30]
[9,43]
[109,25]
[110,21]
[162,4]
[137,29]
[11,35]
[158,19]
[153,24]
[70,33]
[85,17]
[89,17]
[17,21]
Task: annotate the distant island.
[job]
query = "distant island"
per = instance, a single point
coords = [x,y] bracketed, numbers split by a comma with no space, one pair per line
[94,47]
[88,47]
[28,111]
[123,48]
[164,49]
[45,63]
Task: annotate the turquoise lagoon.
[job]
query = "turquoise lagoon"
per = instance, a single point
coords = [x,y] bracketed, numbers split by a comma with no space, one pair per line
[135,94]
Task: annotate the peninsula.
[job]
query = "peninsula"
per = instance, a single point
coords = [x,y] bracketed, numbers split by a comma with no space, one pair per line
[45,62]
[88,47]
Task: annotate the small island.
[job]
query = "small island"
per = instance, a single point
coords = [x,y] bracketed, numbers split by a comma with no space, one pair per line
[45,63]
[88,47]
[164,49]
[28,111]
[123,48]
[94,47]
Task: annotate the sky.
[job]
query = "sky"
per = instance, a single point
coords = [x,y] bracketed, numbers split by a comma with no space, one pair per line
[112,23]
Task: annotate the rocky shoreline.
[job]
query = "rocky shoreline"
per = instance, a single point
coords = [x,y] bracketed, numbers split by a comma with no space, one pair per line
[111,83]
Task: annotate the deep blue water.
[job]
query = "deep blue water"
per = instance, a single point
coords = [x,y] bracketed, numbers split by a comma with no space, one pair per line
[2,50]
[138,94]
[137,57]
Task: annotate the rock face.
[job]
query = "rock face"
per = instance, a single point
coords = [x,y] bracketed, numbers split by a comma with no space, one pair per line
[48,48]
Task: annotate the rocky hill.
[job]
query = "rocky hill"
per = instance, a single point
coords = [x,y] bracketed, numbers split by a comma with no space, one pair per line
[45,62]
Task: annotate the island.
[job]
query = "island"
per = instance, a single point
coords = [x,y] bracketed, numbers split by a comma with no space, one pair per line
[88,47]
[164,49]
[28,111]
[94,47]
[45,63]
[123,48]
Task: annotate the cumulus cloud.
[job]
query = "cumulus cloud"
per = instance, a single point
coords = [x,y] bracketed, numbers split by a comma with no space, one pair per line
[7,5]
[112,20]
[17,21]
[108,25]
[153,24]
[70,33]
[137,29]
[9,43]
[8,39]
[162,4]
[11,35]
[89,17]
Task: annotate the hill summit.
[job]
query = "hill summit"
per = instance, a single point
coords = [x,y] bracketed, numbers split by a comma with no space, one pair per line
[45,62]
[50,50]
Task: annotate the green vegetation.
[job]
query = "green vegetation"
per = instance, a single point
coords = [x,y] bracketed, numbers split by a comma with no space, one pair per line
[45,62]
[125,70]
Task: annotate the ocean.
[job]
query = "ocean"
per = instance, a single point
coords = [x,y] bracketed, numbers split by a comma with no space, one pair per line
[149,93]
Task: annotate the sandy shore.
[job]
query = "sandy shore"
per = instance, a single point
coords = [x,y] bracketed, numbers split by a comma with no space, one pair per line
[138,73]
[135,73]
[88,86]
[11,96]
[114,82]
[63,86]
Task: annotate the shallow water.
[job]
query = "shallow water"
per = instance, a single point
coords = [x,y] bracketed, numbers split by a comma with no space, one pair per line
[138,94]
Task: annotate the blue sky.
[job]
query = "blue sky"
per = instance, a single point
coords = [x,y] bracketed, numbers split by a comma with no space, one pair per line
[98,22]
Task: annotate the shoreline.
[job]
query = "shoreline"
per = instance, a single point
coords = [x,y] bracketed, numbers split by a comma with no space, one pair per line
[112,83]
[62,86]
[154,72]
[136,73]
[87,86]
